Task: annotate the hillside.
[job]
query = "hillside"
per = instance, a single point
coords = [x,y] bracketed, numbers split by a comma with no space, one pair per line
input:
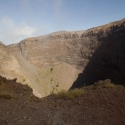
[67,59]
[100,104]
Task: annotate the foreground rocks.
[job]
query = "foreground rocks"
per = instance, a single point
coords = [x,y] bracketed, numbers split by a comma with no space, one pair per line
[98,105]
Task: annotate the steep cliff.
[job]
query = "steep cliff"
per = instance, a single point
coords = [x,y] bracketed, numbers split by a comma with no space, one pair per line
[52,62]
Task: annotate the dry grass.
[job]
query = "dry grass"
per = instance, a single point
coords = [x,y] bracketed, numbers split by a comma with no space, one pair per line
[110,85]
[3,92]
[6,95]
[70,94]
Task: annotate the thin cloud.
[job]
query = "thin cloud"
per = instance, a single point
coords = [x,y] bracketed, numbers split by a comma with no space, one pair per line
[10,32]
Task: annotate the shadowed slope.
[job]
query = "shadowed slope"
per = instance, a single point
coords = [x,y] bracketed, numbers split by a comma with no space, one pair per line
[108,61]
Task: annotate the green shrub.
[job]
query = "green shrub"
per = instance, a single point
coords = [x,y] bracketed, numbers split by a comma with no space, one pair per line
[51,69]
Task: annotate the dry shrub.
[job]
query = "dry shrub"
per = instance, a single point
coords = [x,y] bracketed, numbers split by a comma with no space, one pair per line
[110,85]
[70,94]
[6,96]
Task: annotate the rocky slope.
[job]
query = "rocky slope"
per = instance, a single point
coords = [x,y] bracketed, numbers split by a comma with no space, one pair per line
[54,61]
[101,104]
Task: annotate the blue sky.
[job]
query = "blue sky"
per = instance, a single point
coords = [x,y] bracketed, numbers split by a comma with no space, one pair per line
[20,19]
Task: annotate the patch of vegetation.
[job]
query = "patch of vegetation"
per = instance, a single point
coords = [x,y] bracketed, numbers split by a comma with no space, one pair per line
[51,79]
[2,87]
[6,96]
[3,92]
[70,94]
[51,69]
[110,85]
[24,80]
[55,89]
[57,85]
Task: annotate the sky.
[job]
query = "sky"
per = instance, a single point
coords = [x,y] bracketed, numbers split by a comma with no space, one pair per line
[20,19]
